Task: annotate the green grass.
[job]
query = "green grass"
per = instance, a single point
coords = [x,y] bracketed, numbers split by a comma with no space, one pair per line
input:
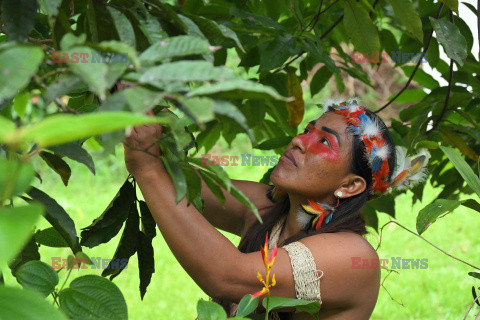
[443,291]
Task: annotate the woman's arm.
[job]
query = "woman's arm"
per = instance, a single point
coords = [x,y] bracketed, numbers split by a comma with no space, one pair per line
[232,216]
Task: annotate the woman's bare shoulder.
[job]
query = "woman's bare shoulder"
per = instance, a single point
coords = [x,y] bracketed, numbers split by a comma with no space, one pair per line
[351,273]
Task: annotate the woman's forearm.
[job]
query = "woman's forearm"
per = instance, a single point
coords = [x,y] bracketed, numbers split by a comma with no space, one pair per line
[202,250]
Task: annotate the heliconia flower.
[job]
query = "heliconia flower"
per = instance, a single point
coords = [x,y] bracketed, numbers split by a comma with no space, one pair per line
[268,265]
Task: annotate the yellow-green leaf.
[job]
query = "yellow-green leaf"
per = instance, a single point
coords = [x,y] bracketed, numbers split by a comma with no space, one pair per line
[296,108]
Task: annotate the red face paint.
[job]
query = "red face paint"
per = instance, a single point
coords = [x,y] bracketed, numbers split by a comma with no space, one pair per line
[314,144]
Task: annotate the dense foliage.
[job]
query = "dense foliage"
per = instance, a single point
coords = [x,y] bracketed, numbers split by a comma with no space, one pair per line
[75,73]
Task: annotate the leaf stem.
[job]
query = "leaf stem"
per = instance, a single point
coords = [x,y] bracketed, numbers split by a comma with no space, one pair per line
[68,275]
[416,234]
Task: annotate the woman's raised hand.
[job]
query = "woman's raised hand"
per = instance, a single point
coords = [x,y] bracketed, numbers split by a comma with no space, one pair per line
[140,150]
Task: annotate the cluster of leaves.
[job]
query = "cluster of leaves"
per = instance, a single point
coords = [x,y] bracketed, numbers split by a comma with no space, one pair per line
[78,72]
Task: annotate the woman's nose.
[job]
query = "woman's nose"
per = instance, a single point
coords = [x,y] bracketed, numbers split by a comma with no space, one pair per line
[298,142]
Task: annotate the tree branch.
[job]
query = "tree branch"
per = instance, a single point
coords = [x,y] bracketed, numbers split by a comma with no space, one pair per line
[416,234]
[471,306]
[416,67]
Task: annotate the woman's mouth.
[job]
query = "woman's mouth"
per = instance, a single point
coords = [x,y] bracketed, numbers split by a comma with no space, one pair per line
[289,158]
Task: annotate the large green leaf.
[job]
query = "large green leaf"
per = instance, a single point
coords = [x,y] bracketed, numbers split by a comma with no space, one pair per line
[105,227]
[19,18]
[178,178]
[58,217]
[50,237]
[137,99]
[311,307]
[126,247]
[405,12]
[433,211]
[246,305]
[123,25]
[61,128]
[24,304]
[28,253]
[463,168]
[452,4]
[74,151]
[360,28]
[15,177]
[58,165]
[236,89]
[451,39]
[16,224]
[209,310]
[93,297]
[50,7]
[37,275]
[7,130]
[17,65]
[276,52]
[149,225]
[196,70]
[146,261]
[175,47]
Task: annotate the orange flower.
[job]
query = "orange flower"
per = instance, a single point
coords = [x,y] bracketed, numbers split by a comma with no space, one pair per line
[268,265]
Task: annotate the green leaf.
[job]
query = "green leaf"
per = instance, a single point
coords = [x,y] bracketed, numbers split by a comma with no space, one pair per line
[146,262]
[463,168]
[62,86]
[213,186]
[175,47]
[127,246]
[360,28]
[197,70]
[57,217]
[178,178]
[149,225]
[20,103]
[247,305]
[320,80]
[229,110]
[311,307]
[16,223]
[24,304]
[15,176]
[216,33]
[17,65]
[137,99]
[93,297]
[105,227]
[317,52]
[405,12]
[74,151]
[28,253]
[433,211]
[18,17]
[58,165]
[451,39]
[61,128]
[50,7]
[410,95]
[37,275]
[50,237]
[276,52]
[236,89]
[421,77]
[452,4]
[7,130]
[472,204]
[123,25]
[199,109]
[209,310]
[274,143]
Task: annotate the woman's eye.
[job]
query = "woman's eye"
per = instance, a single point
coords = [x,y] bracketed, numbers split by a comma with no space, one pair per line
[324,139]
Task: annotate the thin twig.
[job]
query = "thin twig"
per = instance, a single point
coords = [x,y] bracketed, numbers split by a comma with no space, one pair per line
[329,6]
[314,20]
[471,306]
[445,105]
[416,67]
[416,234]
[296,15]
[389,272]
[331,27]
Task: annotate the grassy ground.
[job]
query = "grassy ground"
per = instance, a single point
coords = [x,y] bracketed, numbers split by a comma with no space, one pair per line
[442,291]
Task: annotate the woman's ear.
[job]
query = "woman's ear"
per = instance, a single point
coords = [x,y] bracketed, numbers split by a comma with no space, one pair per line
[352,185]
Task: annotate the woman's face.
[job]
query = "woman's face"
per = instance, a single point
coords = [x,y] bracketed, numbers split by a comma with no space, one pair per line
[315,162]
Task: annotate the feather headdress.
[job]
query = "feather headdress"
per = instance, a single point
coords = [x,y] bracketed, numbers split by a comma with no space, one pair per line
[408,172]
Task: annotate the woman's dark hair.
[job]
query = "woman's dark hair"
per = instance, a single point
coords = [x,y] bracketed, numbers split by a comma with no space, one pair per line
[348,215]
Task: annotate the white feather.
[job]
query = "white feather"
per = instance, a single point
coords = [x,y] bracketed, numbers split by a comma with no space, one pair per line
[401,153]
[371,128]
[383,152]
[329,102]
[303,218]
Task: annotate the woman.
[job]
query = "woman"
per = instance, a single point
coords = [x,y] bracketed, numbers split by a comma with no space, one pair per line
[322,181]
